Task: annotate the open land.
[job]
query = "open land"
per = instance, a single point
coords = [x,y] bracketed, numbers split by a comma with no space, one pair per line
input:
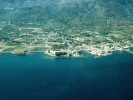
[20,40]
[67,29]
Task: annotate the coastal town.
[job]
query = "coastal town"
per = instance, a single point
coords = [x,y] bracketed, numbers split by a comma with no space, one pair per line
[66,30]
[22,40]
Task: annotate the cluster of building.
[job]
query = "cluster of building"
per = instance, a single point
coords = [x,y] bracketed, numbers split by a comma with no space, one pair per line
[68,45]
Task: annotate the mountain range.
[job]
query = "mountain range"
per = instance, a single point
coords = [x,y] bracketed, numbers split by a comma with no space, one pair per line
[73,13]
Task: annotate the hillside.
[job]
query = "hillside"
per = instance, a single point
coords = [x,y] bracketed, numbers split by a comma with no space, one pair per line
[73,13]
[98,27]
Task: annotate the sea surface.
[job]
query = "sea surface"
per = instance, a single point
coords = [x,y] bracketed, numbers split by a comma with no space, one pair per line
[32,77]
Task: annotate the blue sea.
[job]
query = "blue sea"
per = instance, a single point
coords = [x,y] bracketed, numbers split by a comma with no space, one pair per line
[32,77]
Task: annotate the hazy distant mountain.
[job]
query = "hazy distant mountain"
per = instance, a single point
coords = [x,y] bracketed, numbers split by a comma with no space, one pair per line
[24,3]
[77,12]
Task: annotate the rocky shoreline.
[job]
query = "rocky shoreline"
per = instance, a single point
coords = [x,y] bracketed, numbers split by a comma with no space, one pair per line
[60,53]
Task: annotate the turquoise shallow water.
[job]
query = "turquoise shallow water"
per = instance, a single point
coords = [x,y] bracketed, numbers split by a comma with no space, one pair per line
[31,77]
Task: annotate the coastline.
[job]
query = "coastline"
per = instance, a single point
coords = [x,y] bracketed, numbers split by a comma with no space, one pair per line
[27,50]
[28,74]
